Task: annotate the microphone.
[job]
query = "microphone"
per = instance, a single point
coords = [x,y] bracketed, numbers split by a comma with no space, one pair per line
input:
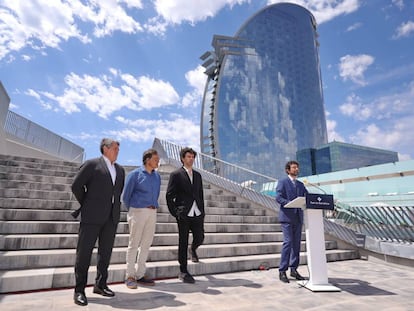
[307,183]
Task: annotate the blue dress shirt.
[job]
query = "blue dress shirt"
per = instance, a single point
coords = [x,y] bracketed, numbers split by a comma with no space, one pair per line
[142,189]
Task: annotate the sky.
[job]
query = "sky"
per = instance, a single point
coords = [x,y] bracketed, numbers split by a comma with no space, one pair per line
[130,69]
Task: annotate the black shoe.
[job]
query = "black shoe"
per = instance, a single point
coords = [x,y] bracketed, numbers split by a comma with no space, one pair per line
[194,257]
[104,291]
[295,274]
[80,299]
[186,278]
[283,277]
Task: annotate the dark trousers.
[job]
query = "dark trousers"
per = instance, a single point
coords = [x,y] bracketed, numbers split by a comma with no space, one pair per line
[185,225]
[292,233]
[88,234]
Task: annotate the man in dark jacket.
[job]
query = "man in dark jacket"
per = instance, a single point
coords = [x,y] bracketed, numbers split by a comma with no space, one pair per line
[291,219]
[97,187]
[185,200]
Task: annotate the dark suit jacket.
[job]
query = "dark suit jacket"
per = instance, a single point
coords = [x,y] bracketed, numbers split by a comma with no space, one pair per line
[97,195]
[181,193]
[286,192]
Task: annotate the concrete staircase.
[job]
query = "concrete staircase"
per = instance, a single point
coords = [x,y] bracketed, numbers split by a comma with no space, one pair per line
[38,235]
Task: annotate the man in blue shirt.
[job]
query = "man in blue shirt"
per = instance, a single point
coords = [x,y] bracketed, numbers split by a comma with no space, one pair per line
[142,188]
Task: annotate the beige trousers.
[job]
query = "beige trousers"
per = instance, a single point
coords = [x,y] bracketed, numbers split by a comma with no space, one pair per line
[141,223]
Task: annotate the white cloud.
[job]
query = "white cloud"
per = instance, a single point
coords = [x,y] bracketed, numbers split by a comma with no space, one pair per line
[150,93]
[179,130]
[197,80]
[399,3]
[354,27]
[353,67]
[333,135]
[353,107]
[178,11]
[390,138]
[391,118]
[108,16]
[100,95]
[37,23]
[404,30]
[43,23]
[326,10]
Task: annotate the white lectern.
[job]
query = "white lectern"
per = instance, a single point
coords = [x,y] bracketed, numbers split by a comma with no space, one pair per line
[313,205]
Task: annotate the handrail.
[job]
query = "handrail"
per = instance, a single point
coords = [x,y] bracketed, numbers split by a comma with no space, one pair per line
[384,223]
[246,183]
[351,224]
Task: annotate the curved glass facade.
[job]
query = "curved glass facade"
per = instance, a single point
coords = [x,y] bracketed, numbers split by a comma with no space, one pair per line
[263,99]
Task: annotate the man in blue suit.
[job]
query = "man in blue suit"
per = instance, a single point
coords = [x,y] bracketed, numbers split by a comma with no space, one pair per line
[291,220]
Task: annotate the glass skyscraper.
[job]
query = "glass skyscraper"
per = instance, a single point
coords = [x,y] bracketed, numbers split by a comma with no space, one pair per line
[263,98]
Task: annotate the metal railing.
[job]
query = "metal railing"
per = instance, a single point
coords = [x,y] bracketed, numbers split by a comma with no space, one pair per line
[351,224]
[34,135]
[246,183]
[384,223]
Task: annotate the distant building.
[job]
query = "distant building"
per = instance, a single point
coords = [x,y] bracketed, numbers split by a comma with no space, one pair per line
[338,156]
[263,98]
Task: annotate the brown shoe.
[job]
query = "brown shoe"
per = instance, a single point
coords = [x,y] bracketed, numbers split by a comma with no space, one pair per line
[146,281]
[131,283]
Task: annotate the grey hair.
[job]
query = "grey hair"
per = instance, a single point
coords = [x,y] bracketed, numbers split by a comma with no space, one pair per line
[107,142]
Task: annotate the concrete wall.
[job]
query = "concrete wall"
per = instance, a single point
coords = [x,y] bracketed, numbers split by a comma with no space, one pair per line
[15,148]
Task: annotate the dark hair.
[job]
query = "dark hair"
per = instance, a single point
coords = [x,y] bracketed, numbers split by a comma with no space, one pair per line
[107,142]
[148,155]
[287,166]
[186,150]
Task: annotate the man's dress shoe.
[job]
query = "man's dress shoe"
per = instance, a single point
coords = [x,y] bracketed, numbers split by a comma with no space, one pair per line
[80,299]
[283,277]
[104,291]
[295,274]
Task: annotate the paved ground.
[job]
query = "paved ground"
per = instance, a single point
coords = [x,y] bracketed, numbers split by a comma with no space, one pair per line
[364,285]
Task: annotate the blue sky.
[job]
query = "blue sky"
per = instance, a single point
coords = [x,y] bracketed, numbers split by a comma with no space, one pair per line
[130,69]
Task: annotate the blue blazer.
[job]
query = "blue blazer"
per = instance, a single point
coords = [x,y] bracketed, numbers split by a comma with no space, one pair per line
[286,192]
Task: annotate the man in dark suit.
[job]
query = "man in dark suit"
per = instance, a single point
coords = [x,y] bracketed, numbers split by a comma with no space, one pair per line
[291,220]
[97,187]
[185,200]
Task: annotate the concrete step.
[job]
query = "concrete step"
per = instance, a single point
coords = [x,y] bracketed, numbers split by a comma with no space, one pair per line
[65,215]
[17,280]
[36,178]
[45,204]
[30,185]
[35,194]
[45,165]
[20,159]
[37,171]
[42,227]
[16,260]
[64,241]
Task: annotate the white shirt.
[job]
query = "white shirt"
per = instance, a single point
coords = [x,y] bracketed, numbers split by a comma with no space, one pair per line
[194,211]
[111,168]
